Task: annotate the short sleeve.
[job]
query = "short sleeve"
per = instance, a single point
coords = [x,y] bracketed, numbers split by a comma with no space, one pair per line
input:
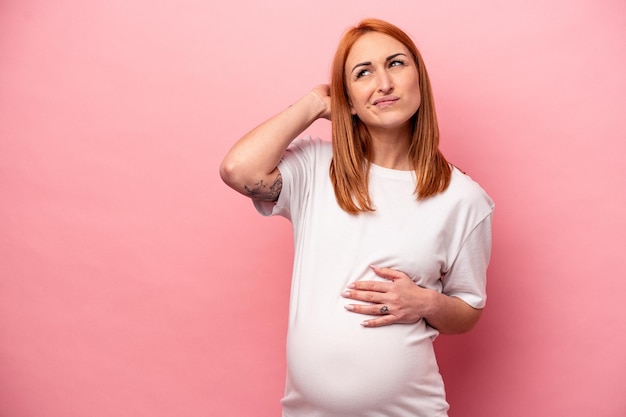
[467,277]
[295,167]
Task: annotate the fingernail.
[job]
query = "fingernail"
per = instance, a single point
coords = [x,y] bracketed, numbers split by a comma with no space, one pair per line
[349,307]
[346,294]
[374,267]
[352,286]
[365,324]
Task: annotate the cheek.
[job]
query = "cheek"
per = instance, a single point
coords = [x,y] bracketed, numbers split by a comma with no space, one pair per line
[415,93]
[419,98]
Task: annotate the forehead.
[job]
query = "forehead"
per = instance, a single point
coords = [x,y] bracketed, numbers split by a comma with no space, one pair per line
[374,47]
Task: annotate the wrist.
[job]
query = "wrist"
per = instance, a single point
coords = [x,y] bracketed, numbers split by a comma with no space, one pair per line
[433,306]
[317,104]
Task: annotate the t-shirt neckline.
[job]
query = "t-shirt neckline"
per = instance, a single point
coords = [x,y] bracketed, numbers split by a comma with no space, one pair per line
[391,173]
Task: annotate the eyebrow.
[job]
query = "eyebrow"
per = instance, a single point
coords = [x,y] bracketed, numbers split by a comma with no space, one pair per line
[366,63]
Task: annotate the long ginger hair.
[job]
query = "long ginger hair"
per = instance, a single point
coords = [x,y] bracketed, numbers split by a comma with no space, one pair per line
[349,168]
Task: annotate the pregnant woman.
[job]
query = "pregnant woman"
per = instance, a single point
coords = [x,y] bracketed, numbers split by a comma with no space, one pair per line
[391,241]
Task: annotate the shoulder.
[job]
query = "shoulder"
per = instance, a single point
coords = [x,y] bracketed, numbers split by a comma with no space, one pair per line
[467,192]
[308,150]
[310,145]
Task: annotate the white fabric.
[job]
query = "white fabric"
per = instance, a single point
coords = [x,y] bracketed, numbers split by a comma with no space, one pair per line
[336,367]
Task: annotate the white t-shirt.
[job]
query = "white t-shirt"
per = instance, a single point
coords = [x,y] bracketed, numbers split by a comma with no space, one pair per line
[336,367]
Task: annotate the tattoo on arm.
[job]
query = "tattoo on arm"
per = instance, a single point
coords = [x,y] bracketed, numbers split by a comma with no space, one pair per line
[264,192]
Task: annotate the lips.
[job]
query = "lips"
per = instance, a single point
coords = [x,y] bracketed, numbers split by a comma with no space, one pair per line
[385,101]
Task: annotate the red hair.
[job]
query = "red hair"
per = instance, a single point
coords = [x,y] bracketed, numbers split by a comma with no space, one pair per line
[349,167]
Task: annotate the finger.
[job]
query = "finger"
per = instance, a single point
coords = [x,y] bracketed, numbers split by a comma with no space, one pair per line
[369,309]
[378,322]
[367,296]
[376,286]
[387,273]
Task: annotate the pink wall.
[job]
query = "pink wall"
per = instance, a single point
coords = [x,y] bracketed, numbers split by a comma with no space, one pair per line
[134,283]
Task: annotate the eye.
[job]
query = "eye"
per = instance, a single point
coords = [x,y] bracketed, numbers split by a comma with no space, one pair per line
[362,73]
[396,63]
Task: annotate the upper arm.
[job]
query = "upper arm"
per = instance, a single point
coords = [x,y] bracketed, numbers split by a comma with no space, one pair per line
[467,276]
[467,314]
[455,316]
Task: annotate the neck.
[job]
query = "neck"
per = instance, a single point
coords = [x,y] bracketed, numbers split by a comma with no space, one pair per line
[390,149]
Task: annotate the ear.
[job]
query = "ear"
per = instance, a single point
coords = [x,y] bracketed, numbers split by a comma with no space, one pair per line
[352,110]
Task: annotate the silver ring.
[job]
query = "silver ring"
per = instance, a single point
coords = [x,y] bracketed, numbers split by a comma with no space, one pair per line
[384,310]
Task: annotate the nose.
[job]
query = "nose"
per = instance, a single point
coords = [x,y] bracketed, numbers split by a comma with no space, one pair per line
[385,83]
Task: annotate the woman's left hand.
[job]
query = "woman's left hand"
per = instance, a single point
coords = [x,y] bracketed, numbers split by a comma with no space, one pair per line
[397,301]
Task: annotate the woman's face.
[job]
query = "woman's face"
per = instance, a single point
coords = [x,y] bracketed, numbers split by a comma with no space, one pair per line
[382,82]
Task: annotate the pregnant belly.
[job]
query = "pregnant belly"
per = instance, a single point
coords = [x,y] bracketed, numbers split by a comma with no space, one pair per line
[349,370]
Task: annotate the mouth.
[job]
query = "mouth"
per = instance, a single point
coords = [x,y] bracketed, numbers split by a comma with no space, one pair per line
[385,101]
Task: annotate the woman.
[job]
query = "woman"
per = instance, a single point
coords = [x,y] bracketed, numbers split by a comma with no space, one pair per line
[391,241]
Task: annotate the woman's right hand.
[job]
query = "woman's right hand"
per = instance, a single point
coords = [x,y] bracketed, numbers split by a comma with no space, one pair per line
[322,92]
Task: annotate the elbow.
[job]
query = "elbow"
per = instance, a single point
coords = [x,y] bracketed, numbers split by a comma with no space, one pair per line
[459,329]
[231,175]
[455,330]
[228,172]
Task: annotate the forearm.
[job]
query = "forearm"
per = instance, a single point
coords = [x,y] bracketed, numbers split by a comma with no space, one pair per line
[256,155]
[450,315]
[407,302]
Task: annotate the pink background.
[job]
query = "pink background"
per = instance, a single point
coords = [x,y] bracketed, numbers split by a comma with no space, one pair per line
[134,283]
